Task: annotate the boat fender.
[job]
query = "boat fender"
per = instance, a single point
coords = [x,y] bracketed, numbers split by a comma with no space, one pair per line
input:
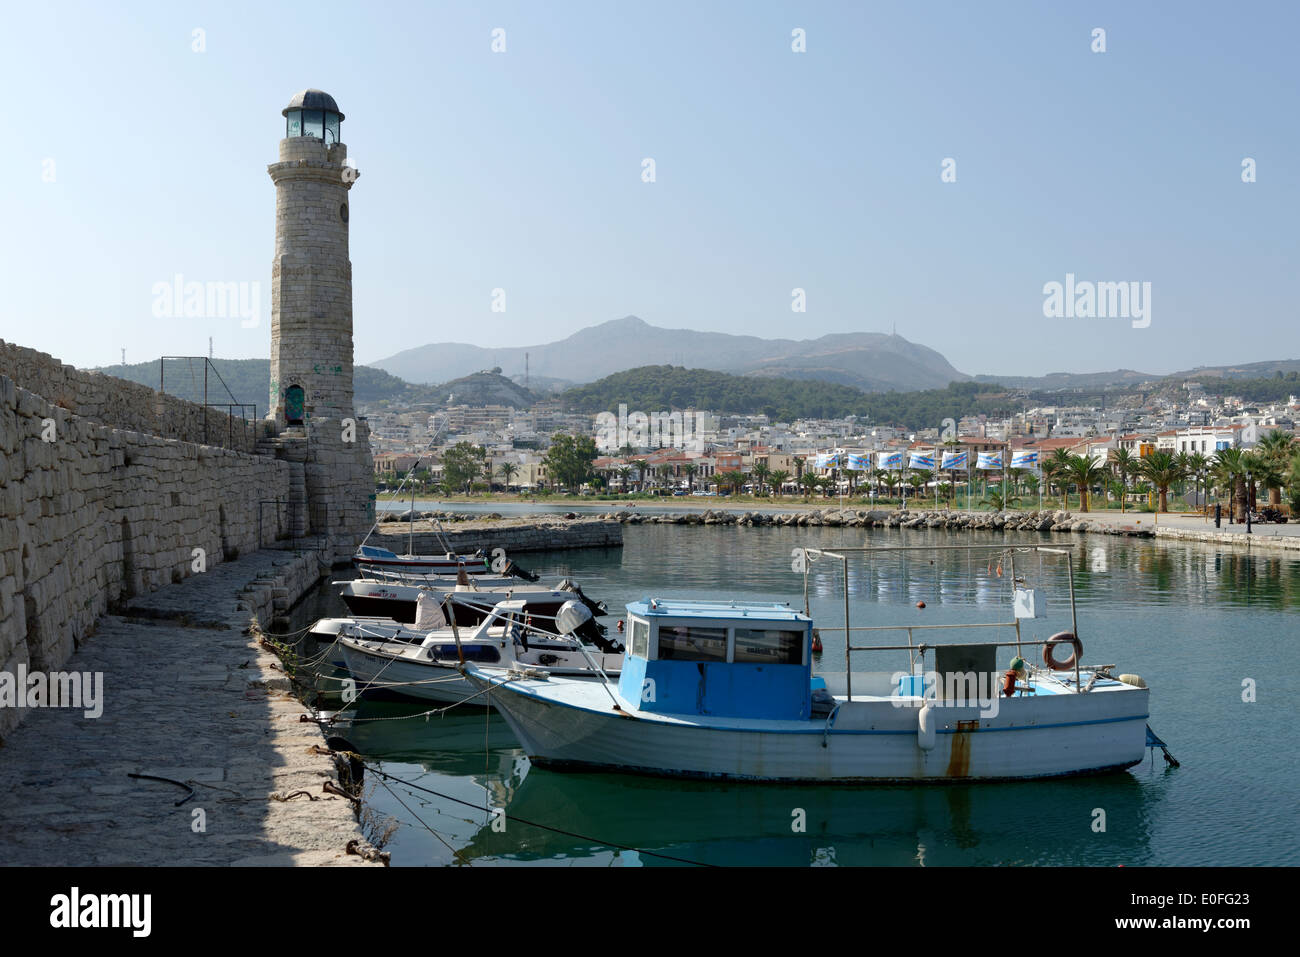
[1135,680]
[926,728]
[816,642]
[1062,637]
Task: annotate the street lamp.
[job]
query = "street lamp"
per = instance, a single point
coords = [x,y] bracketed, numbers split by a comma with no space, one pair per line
[1248,502]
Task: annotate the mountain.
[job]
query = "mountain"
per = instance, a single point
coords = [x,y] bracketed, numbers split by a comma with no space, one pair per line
[486,388]
[870,361]
[1120,378]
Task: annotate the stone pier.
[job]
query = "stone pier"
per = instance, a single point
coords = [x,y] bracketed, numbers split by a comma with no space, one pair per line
[190,695]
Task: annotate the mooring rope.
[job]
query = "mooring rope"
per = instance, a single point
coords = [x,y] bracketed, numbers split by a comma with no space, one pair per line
[544,827]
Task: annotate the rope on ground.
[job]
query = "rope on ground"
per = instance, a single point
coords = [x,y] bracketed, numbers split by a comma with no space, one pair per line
[544,827]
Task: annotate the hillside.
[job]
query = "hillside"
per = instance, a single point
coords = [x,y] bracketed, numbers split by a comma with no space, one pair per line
[864,360]
[249,381]
[665,388]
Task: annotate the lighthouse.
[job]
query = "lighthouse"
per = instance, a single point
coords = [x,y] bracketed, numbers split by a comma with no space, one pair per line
[310,408]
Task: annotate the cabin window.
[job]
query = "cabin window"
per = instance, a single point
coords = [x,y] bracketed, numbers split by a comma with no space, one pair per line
[640,638]
[484,654]
[692,643]
[769,646]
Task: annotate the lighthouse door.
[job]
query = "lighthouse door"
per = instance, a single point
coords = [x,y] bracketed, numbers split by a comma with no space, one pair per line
[293,405]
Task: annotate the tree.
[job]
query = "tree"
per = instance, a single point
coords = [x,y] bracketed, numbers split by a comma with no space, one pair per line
[1056,469]
[568,461]
[1229,469]
[461,465]
[1162,470]
[1125,464]
[642,468]
[1200,467]
[778,478]
[761,475]
[690,471]
[995,500]
[624,477]
[507,471]
[1084,471]
[1276,448]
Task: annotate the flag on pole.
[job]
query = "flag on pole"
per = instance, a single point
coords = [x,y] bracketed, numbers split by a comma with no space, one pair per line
[889,460]
[921,460]
[1024,459]
[826,460]
[860,463]
[954,460]
[989,460]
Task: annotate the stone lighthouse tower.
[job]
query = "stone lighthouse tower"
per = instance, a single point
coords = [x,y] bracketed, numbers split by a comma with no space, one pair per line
[311,407]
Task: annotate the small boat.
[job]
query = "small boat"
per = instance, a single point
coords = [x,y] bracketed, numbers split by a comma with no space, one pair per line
[473,600]
[371,557]
[725,690]
[397,659]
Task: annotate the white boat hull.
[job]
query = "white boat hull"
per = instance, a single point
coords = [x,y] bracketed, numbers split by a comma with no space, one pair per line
[869,741]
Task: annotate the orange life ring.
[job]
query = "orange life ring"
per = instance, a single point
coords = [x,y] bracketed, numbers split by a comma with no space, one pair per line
[1060,638]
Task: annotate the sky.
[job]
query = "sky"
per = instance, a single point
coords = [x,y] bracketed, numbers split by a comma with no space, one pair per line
[137,138]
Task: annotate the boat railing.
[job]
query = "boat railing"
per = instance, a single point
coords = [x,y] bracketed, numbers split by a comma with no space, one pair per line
[809,555]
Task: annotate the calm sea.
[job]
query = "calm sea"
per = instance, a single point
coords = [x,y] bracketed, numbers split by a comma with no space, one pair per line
[1202,625]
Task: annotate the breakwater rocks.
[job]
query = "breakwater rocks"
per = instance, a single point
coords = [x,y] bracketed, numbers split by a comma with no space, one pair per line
[1046,520]
[535,533]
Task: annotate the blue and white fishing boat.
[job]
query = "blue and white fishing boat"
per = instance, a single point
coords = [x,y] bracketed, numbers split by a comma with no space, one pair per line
[726,690]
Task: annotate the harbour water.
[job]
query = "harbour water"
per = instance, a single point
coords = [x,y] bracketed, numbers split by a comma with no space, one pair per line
[1208,627]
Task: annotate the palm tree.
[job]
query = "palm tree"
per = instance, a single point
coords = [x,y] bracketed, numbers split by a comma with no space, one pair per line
[734,480]
[507,471]
[761,475]
[642,467]
[809,482]
[1276,448]
[1162,470]
[778,479]
[1056,469]
[920,479]
[995,500]
[1125,463]
[690,471]
[624,477]
[1084,471]
[1230,467]
[1200,466]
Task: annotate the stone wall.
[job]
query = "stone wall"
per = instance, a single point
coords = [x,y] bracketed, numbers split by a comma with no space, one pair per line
[92,515]
[122,404]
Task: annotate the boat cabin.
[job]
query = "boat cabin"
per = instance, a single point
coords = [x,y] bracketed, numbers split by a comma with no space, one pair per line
[724,659]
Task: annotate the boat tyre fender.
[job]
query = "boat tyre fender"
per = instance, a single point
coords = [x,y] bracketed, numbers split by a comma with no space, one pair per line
[1061,638]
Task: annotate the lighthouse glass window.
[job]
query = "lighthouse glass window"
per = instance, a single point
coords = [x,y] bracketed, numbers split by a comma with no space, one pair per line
[313,123]
[331,128]
[293,123]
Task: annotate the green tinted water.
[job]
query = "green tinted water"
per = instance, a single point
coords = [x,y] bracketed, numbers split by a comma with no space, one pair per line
[1195,621]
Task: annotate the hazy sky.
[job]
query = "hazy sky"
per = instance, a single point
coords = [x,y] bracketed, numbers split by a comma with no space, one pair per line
[131,158]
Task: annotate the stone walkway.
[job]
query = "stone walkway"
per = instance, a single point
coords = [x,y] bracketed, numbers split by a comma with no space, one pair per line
[1196,528]
[200,702]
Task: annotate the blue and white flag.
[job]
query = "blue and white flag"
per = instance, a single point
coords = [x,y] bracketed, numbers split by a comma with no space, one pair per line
[859,463]
[989,460]
[826,460]
[954,460]
[889,460]
[1024,458]
[921,460]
